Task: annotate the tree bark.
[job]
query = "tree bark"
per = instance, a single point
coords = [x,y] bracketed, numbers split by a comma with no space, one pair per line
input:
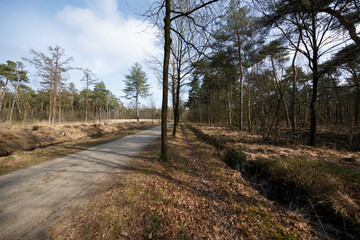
[163,154]
[293,104]
[174,95]
[177,102]
[241,106]
[316,77]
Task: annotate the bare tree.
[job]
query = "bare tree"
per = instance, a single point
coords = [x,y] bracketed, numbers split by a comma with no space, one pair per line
[170,11]
[90,79]
[51,68]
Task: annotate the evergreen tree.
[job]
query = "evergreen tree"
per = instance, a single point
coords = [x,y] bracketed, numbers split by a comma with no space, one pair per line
[100,98]
[136,85]
[14,71]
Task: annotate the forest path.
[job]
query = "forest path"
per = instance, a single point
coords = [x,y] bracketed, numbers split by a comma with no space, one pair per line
[33,199]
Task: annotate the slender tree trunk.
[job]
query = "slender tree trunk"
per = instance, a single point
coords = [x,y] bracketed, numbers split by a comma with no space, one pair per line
[50,101]
[306,102]
[277,84]
[54,102]
[137,108]
[15,96]
[167,45]
[275,118]
[87,100]
[241,106]
[294,90]
[59,102]
[173,93]
[249,108]
[3,93]
[356,98]
[327,103]
[177,102]
[300,103]
[229,105]
[199,106]
[210,111]
[316,77]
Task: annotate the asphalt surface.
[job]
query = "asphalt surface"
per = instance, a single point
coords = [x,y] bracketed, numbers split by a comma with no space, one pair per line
[33,199]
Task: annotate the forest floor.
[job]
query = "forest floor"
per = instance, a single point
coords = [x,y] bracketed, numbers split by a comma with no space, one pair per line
[22,146]
[325,178]
[194,195]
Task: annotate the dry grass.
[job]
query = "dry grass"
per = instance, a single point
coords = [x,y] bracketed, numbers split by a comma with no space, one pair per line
[327,177]
[47,143]
[21,125]
[192,196]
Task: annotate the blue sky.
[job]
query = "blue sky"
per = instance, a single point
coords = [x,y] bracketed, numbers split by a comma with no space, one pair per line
[102,35]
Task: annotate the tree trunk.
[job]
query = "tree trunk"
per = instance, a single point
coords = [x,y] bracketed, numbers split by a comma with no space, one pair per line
[177,102]
[306,102]
[3,93]
[59,103]
[50,101]
[87,100]
[249,108]
[72,107]
[54,102]
[210,111]
[312,137]
[137,108]
[15,95]
[229,105]
[356,98]
[241,106]
[327,103]
[163,155]
[277,84]
[294,90]
[199,106]
[173,94]
[316,77]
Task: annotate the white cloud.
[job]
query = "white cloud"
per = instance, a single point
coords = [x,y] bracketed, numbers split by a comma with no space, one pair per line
[107,39]
[104,8]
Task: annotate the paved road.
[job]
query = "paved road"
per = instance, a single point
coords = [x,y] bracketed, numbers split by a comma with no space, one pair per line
[32,199]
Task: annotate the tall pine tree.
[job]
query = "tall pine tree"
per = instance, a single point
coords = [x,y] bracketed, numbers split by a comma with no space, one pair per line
[136,85]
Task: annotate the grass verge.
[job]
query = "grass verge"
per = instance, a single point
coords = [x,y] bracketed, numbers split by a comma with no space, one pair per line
[316,177]
[28,158]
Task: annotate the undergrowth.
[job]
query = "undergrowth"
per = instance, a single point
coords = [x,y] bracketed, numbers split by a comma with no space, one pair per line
[329,187]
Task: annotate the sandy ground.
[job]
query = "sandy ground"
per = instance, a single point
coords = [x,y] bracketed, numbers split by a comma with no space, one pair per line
[33,199]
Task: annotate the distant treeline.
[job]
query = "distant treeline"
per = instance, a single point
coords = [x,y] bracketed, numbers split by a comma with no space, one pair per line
[58,101]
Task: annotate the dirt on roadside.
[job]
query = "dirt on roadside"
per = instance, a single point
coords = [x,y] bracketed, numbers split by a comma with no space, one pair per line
[39,136]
